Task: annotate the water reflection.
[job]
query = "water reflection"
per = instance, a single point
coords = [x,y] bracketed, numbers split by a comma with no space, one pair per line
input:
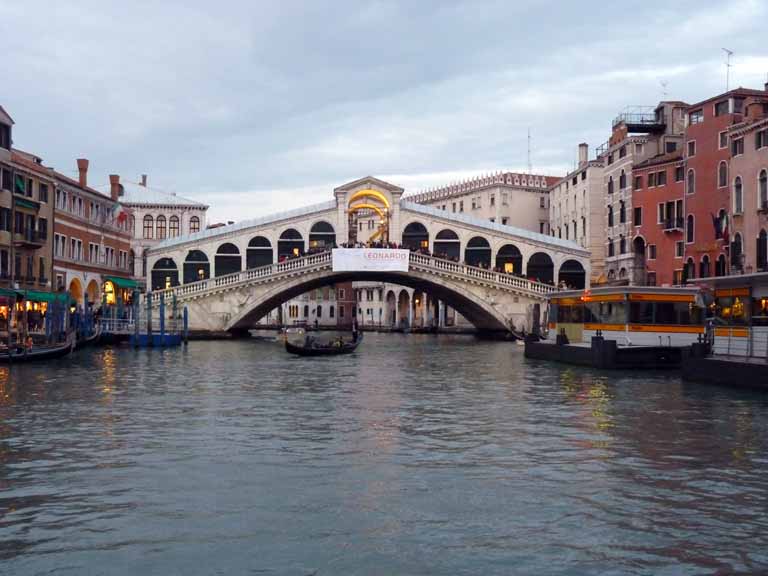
[416,455]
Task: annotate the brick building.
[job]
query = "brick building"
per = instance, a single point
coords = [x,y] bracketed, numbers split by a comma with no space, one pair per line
[92,244]
[713,217]
[658,188]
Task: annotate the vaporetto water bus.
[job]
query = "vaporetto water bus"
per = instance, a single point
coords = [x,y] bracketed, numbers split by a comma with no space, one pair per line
[622,327]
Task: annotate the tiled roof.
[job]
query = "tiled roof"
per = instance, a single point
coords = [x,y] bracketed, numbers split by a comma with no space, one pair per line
[134,193]
[30,162]
[494,226]
[675,156]
[76,183]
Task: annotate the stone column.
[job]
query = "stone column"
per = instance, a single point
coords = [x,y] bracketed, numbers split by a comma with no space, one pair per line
[342,228]
[395,233]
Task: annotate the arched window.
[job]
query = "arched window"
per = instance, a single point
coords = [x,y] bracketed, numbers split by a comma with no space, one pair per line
[610,184]
[196,266]
[258,253]
[622,180]
[689,272]
[290,244]
[691,188]
[762,186]
[227,260]
[173,226]
[610,215]
[165,274]
[194,224]
[447,245]
[622,211]
[689,231]
[149,227]
[762,251]
[415,236]
[322,236]
[738,196]
[704,267]
[736,251]
[722,175]
[622,245]
[720,265]
[478,252]
[161,227]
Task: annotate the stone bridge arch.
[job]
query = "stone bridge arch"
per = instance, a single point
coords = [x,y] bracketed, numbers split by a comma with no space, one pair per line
[489,310]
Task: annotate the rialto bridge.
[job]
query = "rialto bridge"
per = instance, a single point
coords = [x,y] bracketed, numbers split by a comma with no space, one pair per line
[496,276]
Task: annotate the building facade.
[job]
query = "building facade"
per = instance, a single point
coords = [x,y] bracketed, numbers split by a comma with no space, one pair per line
[508,198]
[92,252]
[155,215]
[638,133]
[576,209]
[749,187]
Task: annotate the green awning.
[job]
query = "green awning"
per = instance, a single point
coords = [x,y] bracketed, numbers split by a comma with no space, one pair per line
[20,186]
[26,204]
[126,283]
[39,296]
[5,293]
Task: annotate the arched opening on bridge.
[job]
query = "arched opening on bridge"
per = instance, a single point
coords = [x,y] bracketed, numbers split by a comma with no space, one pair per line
[93,292]
[478,252]
[415,236]
[322,236]
[391,319]
[447,245]
[196,266]
[228,260]
[258,253]
[509,259]
[165,274]
[541,268]
[76,291]
[290,244]
[403,309]
[572,273]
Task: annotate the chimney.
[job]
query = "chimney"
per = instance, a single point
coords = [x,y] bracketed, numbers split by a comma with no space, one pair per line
[144,180]
[583,153]
[82,168]
[114,186]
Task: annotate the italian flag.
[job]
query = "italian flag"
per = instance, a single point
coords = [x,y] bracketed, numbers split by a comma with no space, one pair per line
[119,213]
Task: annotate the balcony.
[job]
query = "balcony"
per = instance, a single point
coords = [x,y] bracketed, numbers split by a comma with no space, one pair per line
[29,239]
[673,224]
[640,120]
[763,207]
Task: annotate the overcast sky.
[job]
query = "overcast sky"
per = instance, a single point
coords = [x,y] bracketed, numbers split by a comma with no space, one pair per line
[254,107]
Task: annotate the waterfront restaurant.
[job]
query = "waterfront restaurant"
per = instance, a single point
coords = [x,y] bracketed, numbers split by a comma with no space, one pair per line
[738,314]
[118,291]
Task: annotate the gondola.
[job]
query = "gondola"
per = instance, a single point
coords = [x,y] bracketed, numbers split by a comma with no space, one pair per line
[324,349]
[91,340]
[19,354]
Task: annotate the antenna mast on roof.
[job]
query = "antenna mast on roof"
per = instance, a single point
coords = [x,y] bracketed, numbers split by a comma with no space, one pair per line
[728,54]
[663,87]
[530,165]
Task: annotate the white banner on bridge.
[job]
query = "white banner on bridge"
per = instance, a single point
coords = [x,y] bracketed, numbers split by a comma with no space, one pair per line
[370,260]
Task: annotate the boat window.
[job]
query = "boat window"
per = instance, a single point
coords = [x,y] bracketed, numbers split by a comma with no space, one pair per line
[730,310]
[641,313]
[570,314]
[606,312]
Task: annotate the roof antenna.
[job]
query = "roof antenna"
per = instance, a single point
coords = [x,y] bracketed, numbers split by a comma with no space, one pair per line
[530,165]
[728,65]
[663,87]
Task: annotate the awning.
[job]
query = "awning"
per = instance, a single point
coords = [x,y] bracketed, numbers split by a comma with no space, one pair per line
[5,293]
[126,283]
[32,205]
[39,296]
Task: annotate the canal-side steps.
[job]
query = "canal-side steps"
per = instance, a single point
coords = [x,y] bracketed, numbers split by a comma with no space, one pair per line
[437,267]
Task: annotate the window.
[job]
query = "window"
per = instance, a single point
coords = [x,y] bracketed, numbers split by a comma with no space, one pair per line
[93,253]
[341,294]
[651,251]
[679,249]
[737,146]
[696,117]
[610,215]
[721,108]
[723,139]
[504,220]
[453,207]
[610,184]
[42,275]
[566,231]
[331,312]
[461,205]
[691,182]
[194,224]
[638,182]
[541,202]
[638,216]
[761,139]
[622,212]
[622,180]
[623,245]
[610,159]
[541,227]
[341,311]
[5,219]
[738,196]
[149,227]
[661,178]
[651,180]
[623,151]
[738,105]
[173,223]
[611,249]
[584,175]
[504,199]
[6,179]
[762,186]
[722,175]
[671,147]
[493,200]
[691,148]
[689,235]
[679,174]
[42,228]
[160,227]
[42,192]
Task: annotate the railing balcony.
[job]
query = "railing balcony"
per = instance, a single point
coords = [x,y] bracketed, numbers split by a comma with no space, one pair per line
[29,239]
[673,224]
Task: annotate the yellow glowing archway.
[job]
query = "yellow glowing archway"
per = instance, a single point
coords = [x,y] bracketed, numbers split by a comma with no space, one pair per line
[369,193]
[373,207]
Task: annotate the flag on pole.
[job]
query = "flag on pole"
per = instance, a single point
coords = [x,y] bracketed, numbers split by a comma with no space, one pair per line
[119,213]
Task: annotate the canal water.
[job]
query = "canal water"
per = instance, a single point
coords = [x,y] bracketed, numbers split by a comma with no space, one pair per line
[416,455]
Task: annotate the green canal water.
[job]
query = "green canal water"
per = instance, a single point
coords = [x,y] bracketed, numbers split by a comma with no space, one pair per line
[416,455]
